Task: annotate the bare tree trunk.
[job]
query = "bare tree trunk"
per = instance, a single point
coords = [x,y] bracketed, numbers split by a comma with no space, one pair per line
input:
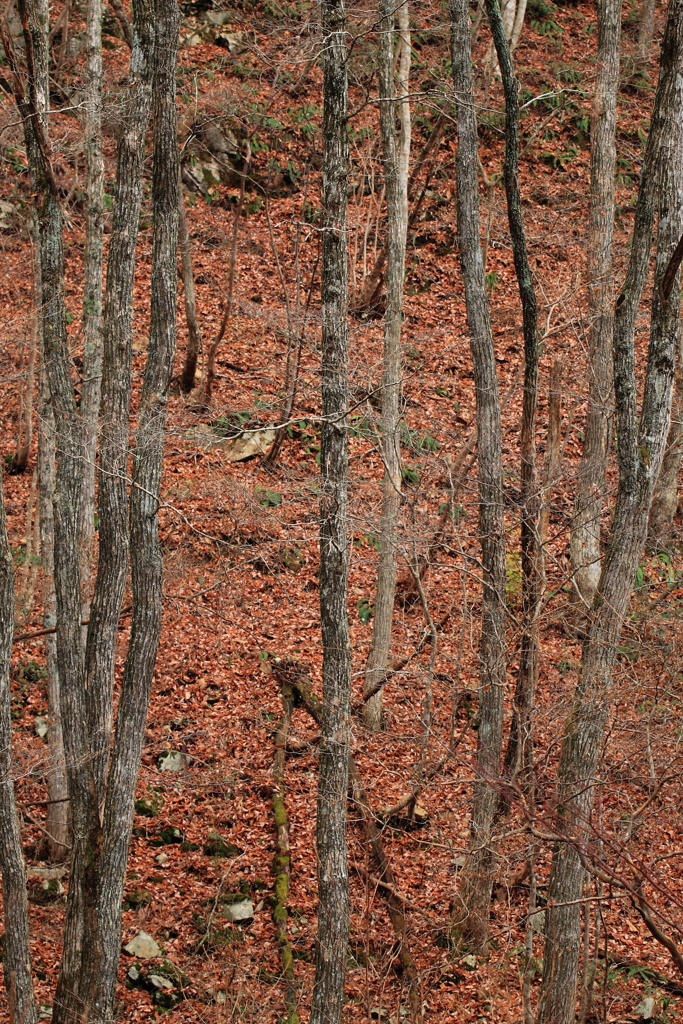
[16,953]
[641,442]
[665,501]
[590,484]
[519,754]
[471,917]
[123,20]
[92,747]
[209,371]
[92,291]
[146,559]
[518,25]
[333,880]
[194,339]
[393,100]
[646,29]
[57,823]
[26,387]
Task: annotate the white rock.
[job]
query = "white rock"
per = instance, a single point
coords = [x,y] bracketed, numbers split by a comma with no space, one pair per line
[538,922]
[143,946]
[162,858]
[41,726]
[646,1008]
[172,762]
[159,981]
[242,911]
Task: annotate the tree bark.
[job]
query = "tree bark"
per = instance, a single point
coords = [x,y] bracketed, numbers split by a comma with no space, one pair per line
[519,754]
[16,953]
[646,29]
[92,291]
[333,881]
[396,156]
[194,340]
[146,559]
[91,747]
[665,500]
[471,918]
[590,484]
[641,442]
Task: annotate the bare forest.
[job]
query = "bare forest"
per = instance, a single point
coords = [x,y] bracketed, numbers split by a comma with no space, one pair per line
[341,553]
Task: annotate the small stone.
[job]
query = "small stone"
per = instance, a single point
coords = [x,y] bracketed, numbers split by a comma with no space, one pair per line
[233,42]
[159,982]
[133,974]
[173,761]
[538,922]
[162,858]
[469,961]
[221,997]
[243,911]
[143,946]
[646,1008]
[41,726]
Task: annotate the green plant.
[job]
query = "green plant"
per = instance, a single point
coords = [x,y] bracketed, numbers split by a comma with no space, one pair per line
[268,498]
[513,577]
[365,609]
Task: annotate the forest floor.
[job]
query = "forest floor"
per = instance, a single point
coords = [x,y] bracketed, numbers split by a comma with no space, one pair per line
[241,554]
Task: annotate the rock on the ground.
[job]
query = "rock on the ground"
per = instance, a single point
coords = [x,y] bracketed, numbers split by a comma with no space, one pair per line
[143,946]
[243,911]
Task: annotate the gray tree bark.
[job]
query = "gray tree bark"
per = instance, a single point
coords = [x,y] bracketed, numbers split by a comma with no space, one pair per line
[665,500]
[194,340]
[641,442]
[471,917]
[333,881]
[396,155]
[590,484]
[16,954]
[92,290]
[646,29]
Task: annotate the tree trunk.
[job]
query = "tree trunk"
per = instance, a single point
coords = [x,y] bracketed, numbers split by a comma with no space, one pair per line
[146,559]
[471,916]
[92,746]
[590,484]
[646,29]
[92,291]
[519,754]
[396,156]
[57,823]
[641,442]
[16,953]
[194,340]
[333,881]
[665,500]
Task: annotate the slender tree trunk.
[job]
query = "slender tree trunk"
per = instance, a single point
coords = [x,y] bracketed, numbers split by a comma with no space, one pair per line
[393,100]
[92,291]
[57,822]
[146,560]
[665,500]
[646,29]
[333,881]
[471,918]
[590,485]
[641,442]
[519,754]
[194,339]
[16,954]
[92,745]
